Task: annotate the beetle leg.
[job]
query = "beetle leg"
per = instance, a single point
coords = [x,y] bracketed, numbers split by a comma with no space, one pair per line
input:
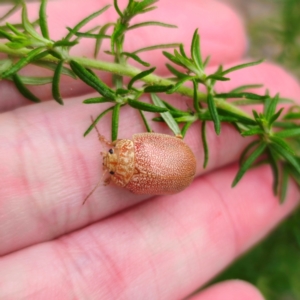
[107,181]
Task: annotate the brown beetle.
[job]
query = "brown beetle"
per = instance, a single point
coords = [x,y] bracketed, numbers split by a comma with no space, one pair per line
[150,163]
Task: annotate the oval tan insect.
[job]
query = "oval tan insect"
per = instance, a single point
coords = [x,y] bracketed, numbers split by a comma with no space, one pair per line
[149,163]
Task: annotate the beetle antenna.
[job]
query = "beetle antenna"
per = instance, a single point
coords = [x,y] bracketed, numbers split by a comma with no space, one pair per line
[101,138]
[93,190]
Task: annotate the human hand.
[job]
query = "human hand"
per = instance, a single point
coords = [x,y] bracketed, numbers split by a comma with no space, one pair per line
[120,245]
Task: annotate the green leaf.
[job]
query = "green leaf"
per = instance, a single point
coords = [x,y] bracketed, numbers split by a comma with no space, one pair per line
[39,56]
[171,107]
[246,102]
[117,37]
[117,8]
[253,131]
[289,125]
[102,32]
[136,58]
[85,21]
[214,113]
[96,100]
[206,61]
[121,91]
[177,73]
[227,116]
[157,88]
[155,47]
[115,122]
[275,116]
[146,106]
[151,23]
[217,77]
[288,133]
[205,144]
[143,7]
[43,19]
[256,116]
[28,27]
[65,43]
[173,58]
[185,128]
[290,158]
[158,119]
[5,64]
[282,143]
[97,120]
[31,80]
[284,184]
[248,162]
[275,170]
[140,76]
[238,67]
[270,107]
[170,121]
[247,150]
[179,83]
[4,34]
[23,90]
[54,53]
[246,87]
[187,63]
[92,80]
[292,116]
[91,35]
[23,62]
[195,97]
[182,52]
[145,121]
[195,50]
[15,31]
[55,84]
[185,118]
[243,95]
[293,172]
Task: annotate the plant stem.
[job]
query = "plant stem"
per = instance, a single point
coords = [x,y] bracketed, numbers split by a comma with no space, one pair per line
[128,71]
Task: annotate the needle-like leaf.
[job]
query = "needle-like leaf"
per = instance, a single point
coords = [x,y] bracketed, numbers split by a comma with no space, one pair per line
[115,122]
[249,162]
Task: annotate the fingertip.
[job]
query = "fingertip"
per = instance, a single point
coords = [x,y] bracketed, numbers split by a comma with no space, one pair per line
[231,289]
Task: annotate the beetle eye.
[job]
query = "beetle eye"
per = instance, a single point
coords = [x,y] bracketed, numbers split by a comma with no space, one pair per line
[112,172]
[111,151]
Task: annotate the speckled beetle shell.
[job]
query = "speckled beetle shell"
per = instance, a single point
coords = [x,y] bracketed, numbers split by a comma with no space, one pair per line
[150,163]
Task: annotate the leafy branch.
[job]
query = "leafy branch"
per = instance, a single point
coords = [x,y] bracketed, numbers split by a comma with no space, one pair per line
[275,131]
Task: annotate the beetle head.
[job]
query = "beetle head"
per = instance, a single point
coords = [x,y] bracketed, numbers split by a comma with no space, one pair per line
[110,160]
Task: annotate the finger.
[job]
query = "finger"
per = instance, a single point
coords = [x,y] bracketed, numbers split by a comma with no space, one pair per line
[185,240]
[49,168]
[233,289]
[219,27]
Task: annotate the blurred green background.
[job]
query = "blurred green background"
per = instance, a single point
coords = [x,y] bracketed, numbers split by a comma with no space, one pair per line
[274,30]
[273,265]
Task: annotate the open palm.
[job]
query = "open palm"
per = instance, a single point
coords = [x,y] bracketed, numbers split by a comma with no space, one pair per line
[119,245]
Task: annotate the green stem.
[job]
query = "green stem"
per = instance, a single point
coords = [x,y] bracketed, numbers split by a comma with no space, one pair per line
[128,71]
